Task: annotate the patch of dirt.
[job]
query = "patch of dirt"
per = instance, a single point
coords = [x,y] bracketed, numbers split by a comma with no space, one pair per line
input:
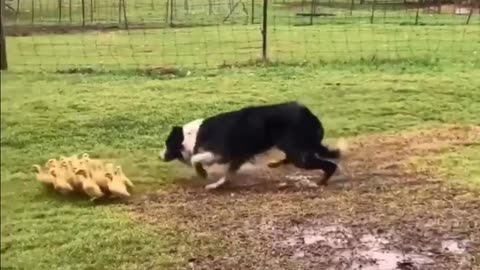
[385,215]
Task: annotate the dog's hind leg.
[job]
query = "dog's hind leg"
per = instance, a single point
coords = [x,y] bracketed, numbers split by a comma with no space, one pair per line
[328,168]
[310,161]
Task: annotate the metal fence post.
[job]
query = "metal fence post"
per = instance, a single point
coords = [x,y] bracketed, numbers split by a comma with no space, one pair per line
[264,31]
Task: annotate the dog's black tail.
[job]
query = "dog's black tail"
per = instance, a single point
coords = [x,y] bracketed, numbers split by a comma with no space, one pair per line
[326,152]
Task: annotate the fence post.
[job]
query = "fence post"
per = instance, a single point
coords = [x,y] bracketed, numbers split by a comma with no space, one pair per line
[91,11]
[186,7]
[33,10]
[373,11]
[2,7]
[352,6]
[119,12]
[83,13]
[3,44]
[264,31]
[417,15]
[59,11]
[470,14]
[167,14]
[125,21]
[172,5]
[253,11]
[313,10]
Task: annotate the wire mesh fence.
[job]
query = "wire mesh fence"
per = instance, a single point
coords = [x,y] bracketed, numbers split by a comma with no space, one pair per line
[118,34]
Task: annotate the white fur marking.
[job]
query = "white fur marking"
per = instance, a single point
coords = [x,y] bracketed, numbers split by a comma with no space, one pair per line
[215,185]
[190,131]
[162,154]
[205,157]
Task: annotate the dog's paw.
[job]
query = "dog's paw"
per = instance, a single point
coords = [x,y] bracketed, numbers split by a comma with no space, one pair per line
[211,186]
[216,184]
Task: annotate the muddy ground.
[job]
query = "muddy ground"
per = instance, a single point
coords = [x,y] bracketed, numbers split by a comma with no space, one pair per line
[385,213]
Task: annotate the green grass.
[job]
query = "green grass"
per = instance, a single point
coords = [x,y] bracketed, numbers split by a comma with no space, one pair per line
[209,47]
[126,116]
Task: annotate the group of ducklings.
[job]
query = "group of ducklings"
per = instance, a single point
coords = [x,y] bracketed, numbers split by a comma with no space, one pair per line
[90,176]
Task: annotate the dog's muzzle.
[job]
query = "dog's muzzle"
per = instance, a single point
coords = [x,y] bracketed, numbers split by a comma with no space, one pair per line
[161,156]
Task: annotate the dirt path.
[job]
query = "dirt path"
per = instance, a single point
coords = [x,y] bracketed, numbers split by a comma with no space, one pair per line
[386,216]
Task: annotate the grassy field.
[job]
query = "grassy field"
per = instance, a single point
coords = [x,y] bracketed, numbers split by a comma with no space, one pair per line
[126,116]
[210,47]
[106,93]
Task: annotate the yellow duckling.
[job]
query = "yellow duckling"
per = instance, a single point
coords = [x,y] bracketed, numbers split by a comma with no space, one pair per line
[69,174]
[116,186]
[60,183]
[92,164]
[88,185]
[51,163]
[43,177]
[99,177]
[123,177]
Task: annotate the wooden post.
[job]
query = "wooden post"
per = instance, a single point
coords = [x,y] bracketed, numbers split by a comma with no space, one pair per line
[352,6]
[70,10]
[3,43]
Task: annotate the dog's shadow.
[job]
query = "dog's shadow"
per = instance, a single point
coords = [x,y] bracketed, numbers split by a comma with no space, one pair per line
[260,182]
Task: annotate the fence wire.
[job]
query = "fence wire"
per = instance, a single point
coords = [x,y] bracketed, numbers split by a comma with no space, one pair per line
[119,34]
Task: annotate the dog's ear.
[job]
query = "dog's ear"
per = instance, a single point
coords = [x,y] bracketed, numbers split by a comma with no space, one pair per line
[176,131]
[173,144]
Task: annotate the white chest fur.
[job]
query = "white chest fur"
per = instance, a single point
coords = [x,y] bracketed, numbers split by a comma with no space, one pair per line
[190,131]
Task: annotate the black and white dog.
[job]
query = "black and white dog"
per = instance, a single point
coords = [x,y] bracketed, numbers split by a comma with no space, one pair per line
[235,137]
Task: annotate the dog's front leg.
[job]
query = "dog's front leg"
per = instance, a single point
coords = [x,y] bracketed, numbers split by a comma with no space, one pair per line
[215,185]
[198,160]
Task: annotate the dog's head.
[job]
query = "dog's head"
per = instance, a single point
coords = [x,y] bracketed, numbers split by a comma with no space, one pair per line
[181,142]
[173,145]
